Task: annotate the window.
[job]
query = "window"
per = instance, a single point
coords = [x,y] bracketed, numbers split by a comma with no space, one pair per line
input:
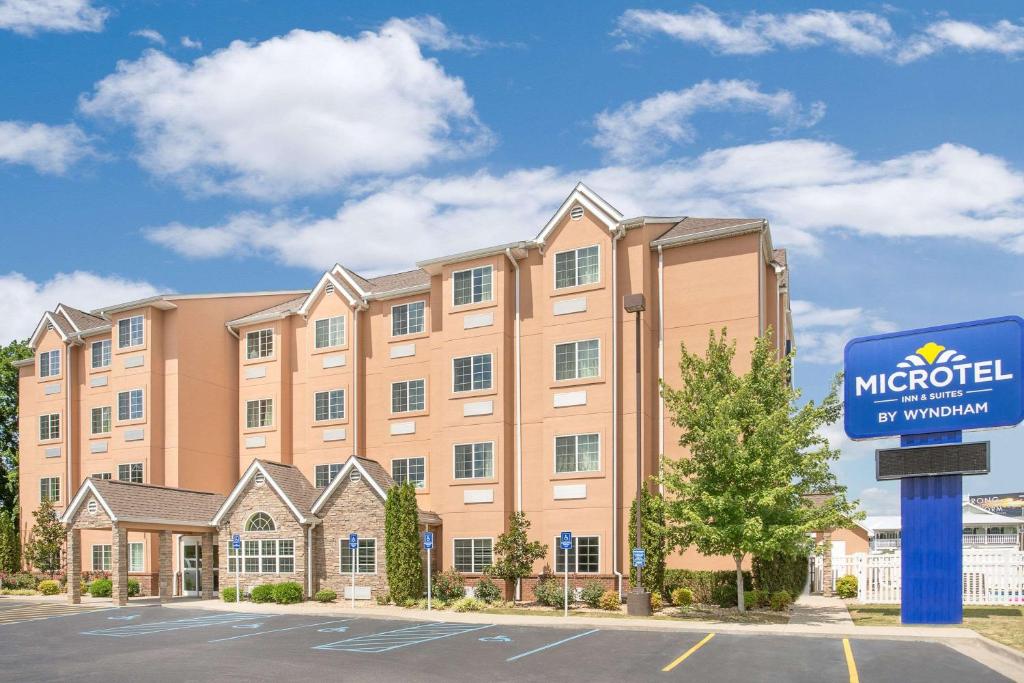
[131,471]
[329,332]
[325,474]
[259,413]
[259,344]
[260,521]
[101,475]
[129,332]
[584,555]
[268,556]
[474,460]
[135,552]
[49,363]
[471,286]
[407,396]
[49,426]
[407,319]
[101,354]
[472,555]
[366,556]
[411,470]
[129,405]
[577,453]
[577,360]
[577,267]
[470,373]
[49,489]
[101,420]
[101,558]
[329,405]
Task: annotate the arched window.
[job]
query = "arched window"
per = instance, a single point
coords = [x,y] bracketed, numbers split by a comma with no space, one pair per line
[260,521]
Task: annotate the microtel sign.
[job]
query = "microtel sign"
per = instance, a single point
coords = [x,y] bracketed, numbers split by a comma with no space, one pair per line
[938,379]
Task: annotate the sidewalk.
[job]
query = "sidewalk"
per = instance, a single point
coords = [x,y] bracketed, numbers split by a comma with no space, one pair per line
[817,610]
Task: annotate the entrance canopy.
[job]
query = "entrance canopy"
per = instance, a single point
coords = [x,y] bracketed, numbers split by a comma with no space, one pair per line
[141,507]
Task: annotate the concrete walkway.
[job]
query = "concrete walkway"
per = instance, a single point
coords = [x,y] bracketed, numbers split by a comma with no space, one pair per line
[817,610]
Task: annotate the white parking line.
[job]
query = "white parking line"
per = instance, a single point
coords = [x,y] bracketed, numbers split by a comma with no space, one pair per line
[175,625]
[278,630]
[402,637]
[551,645]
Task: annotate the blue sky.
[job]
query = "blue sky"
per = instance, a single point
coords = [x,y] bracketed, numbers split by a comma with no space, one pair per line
[153,146]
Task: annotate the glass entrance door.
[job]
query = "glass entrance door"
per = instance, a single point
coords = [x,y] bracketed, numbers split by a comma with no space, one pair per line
[191,566]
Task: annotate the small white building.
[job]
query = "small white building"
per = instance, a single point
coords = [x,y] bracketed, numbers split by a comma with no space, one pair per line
[981,529]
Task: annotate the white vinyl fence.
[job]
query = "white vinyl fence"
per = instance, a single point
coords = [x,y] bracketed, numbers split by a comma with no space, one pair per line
[990,577]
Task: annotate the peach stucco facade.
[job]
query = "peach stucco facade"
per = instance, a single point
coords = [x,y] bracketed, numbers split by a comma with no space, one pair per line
[277,377]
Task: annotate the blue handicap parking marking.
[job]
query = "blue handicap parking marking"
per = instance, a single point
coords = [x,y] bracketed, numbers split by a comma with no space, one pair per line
[132,630]
[288,628]
[495,639]
[403,637]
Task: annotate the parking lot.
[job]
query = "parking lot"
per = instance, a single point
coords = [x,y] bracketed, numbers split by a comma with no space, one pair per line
[160,644]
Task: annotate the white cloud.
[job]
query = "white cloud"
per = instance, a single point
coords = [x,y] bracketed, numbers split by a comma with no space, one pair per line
[29,17]
[150,35]
[863,33]
[648,127]
[254,118]
[431,33]
[22,301]
[191,43]
[48,149]
[806,188]
[877,501]
[822,332]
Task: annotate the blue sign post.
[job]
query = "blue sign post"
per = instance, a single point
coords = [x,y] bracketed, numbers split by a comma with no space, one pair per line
[639,557]
[428,545]
[236,544]
[353,551]
[927,386]
[565,543]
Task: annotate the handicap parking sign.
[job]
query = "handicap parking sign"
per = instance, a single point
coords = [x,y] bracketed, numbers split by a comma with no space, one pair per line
[428,540]
[566,540]
[353,541]
[639,557]
[236,541]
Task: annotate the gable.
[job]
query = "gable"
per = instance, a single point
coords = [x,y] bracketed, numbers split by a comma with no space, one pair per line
[352,496]
[377,480]
[244,486]
[592,204]
[82,517]
[259,498]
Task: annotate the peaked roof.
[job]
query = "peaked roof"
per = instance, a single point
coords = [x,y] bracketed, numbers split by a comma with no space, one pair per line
[281,310]
[127,502]
[376,476]
[692,228]
[82,321]
[286,480]
[588,199]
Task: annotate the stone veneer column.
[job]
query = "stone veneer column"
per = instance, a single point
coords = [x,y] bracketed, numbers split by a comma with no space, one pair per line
[166,568]
[119,553]
[207,568]
[74,575]
[826,566]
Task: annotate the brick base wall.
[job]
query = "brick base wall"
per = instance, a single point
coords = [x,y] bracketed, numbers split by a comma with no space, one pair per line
[149,584]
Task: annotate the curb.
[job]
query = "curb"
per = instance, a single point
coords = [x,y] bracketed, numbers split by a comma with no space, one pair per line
[1005,651]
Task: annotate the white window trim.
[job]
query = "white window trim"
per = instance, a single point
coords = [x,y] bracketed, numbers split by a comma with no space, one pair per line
[110,356]
[425,468]
[471,390]
[49,425]
[110,426]
[92,557]
[409,303]
[140,543]
[60,364]
[118,330]
[273,412]
[118,403]
[494,461]
[470,270]
[600,553]
[343,544]
[328,465]
[576,342]
[129,466]
[554,269]
[54,499]
[344,406]
[472,538]
[245,524]
[273,344]
[416,379]
[296,569]
[554,453]
[344,332]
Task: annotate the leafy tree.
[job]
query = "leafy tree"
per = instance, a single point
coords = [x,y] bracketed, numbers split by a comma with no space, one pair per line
[16,350]
[655,538]
[514,552]
[10,548]
[45,540]
[402,544]
[754,457]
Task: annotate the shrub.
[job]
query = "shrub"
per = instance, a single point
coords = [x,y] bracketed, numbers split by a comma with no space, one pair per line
[49,587]
[487,591]
[402,558]
[382,598]
[749,600]
[780,573]
[657,602]
[21,580]
[725,596]
[101,588]
[780,600]
[846,586]
[16,591]
[468,605]
[327,595]
[610,601]
[703,583]
[263,593]
[287,593]
[682,597]
[761,598]
[134,589]
[409,603]
[228,594]
[449,586]
[550,592]
[591,593]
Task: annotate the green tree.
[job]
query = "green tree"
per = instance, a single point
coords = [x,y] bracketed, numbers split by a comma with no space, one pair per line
[45,540]
[514,553]
[754,457]
[10,548]
[402,544]
[14,351]
[654,539]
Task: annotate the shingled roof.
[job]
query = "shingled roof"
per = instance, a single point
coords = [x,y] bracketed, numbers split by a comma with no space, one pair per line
[293,484]
[130,502]
[280,310]
[693,227]
[82,320]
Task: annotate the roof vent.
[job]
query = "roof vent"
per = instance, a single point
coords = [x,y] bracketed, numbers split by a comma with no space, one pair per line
[92,507]
[576,213]
[259,479]
[49,326]
[329,289]
[354,475]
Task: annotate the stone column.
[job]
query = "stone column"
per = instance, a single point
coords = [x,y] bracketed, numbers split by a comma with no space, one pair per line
[826,566]
[166,566]
[74,575]
[207,568]
[119,575]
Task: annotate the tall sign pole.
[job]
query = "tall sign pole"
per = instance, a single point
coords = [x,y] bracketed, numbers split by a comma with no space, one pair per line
[353,546]
[565,543]
[638,602]
[428,543]
[236,544]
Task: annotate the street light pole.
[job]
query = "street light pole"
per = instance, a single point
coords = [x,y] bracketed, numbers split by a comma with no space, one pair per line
[638,602]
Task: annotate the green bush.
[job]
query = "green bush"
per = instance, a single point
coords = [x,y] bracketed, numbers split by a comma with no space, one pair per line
[724,596]
[101,588]
[49,587]
[682,597]
[610,601]
[846,586]
[487,591]
[761,598]
[468,605]
[780,573]
[287,593]
[20,581]
[591,593]
[703,583]
[449,586]
[550,592]
[383,598]
[749,600]
[134,589]
[409,603]
[327,595]
[780,600]
[263,593]
[402,559]
[657,602]
[228,594]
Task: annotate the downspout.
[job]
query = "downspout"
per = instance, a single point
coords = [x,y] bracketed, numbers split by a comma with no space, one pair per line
[620,231]
[661,365]
[309,558]
[67,423]
[518,408]
[355,376]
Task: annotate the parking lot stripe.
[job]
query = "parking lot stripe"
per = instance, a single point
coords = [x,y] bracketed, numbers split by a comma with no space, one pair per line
[278,630]
[682,658]
[402,637]
[176,625]
[551,645]
[26,612]
[851,665]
